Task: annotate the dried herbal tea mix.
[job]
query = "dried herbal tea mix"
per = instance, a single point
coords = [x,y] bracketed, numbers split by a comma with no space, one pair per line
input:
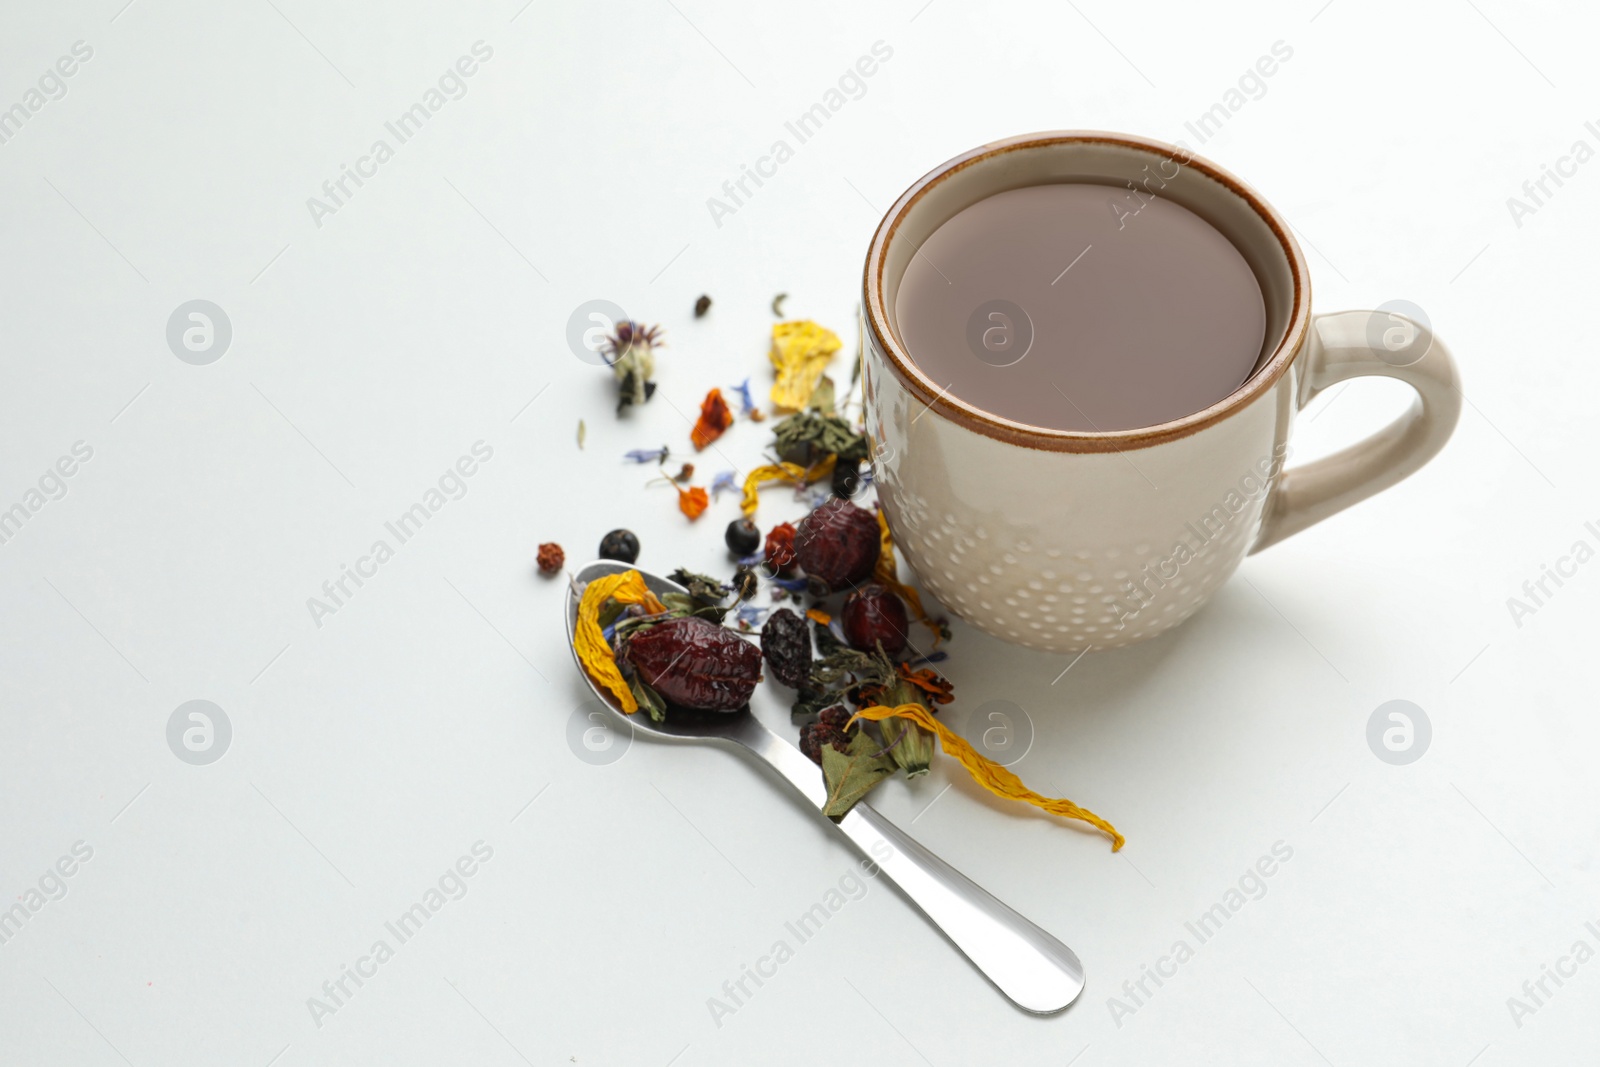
[859,677]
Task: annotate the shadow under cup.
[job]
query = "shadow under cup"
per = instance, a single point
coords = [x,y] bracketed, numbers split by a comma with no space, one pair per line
[1065,539]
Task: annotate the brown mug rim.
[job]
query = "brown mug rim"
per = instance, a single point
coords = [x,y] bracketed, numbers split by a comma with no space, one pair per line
[1039,437]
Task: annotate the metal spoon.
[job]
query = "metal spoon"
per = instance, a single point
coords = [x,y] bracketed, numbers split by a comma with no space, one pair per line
[1037,972]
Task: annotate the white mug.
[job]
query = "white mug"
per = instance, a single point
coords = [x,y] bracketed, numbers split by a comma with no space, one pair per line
[1065,540]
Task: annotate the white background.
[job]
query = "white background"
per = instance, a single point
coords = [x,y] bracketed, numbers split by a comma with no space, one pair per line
[429,313]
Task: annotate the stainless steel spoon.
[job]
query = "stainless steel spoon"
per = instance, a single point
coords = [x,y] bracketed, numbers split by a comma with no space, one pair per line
[1037,972]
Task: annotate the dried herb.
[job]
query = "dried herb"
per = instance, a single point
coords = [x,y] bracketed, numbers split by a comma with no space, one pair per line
[777,304]
[993,777]
[705,595]
[746,584]
[631,353]
[648,698]
[809,436]
[789,473]
[714,419]
[692,502]
[935,689]
[747,405]
[589,641]
[800,352]
[822,396]
[828,643]
[851,775]
[809,704]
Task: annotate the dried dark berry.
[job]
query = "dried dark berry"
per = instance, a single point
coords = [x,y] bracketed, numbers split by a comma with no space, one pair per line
[814,736]
[550,558]
[872,616]
[702,306]
[846,479]
[838,543]
[787,647]
[743,537]
[780,549]
[694,663]
[835,716]
[620,545]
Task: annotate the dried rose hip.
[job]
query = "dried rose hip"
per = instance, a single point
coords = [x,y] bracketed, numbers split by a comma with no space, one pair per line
[835,716]
[838,543]
[786,644]
[694,663]
[873,615]
[550,557]
[780,549]
[827,730]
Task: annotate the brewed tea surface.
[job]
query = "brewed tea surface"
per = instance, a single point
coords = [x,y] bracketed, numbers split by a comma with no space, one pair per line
[1082,307]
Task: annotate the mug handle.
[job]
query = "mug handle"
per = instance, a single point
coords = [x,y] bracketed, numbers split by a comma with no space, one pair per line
[1342,347]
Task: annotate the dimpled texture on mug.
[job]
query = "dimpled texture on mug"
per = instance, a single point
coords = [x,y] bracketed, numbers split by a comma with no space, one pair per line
[991,574]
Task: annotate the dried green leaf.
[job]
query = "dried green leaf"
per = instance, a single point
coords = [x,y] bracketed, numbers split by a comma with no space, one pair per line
[851,775]
[648,699]
[809,704]
[822,396]
[805,438]
[827,643]
[705,597]
[679,603]
[610,612]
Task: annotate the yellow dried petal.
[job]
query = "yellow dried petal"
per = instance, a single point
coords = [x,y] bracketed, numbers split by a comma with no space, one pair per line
[800,352]
[788,473]
[596,656]
[987,773]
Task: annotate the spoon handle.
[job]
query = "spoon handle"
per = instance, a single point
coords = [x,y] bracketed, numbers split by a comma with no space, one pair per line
[1037,972]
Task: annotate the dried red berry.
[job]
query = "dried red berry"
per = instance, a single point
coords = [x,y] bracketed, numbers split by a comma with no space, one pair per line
[838,543]
[694,663]
[872,615]
[551,558]
[780,549]
[786,645]
[823,732]
[835,716]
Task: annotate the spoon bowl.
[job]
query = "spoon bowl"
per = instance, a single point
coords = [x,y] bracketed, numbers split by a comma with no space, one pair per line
[1034,970]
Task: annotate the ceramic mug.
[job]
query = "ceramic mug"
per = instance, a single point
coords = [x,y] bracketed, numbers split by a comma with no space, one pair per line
[1065,540]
